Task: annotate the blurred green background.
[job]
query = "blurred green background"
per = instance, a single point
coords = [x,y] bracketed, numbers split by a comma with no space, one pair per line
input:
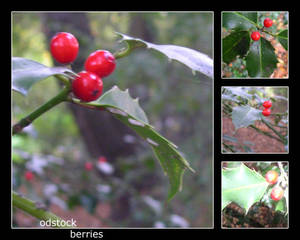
[58,144]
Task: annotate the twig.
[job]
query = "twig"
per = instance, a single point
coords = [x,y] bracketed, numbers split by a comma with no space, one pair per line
[33,209]
[275,131]
[24,122]
[266,133]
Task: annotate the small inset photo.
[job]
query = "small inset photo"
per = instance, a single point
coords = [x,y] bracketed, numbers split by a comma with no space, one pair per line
[254,44]
[255,120]
[255,195]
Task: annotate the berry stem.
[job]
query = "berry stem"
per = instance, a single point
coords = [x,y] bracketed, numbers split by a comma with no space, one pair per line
[30,207]
[272,34]
[63,79]
[24,122]
[123,52]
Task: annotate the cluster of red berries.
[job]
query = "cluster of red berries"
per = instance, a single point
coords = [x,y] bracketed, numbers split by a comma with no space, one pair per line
[267,23]
[267,108]
[272,178]
[88,85]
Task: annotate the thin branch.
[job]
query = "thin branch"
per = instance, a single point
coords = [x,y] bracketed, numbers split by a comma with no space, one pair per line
[24,122]
[266,133]
[33,209]
[275,131]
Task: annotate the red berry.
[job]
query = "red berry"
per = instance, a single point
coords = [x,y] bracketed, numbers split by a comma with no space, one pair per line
[255,36]
[101,62]
[88,166]
[267,104]
[266,112]
[277,193]
[29,175]
[64,47]
[271,176]
[268,22]
[87,86]
[102,159]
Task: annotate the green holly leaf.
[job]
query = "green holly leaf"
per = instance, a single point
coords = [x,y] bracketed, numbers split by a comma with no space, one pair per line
[261,59]
[239,20]
[118,99]
[283,38]
[243,186]
[26,72]
[127,110]
[281,205]
[193,59]
[235,44]
[243,116]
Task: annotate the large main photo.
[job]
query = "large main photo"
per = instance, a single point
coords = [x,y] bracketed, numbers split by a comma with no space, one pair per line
[112,119]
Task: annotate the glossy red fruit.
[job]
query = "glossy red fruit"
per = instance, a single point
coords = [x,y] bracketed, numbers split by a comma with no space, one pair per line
[101,62]
[268,22]
[266,112]
[88,166]
[64,47]
[29,175]
[255,36]
[277,193]
[267,104]
[271,176]
[87,86]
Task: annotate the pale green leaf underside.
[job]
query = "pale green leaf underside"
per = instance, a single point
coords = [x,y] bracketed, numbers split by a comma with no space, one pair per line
[195,60]
[26,72]
[130,113]
[243,116]
[242,186]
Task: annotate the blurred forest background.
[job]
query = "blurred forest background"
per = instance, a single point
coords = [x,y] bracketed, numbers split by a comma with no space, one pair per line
[130,189]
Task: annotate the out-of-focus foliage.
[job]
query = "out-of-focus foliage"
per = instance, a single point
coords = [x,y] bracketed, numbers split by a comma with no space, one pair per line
[177,102]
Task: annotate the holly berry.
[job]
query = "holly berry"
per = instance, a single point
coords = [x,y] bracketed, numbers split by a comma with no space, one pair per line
[102,159]
[100,62]
[88,166]
[268,22]
[266,112]
[277,193]
[271,176]
[267,104]
[87,86]
[29,175]
[255,36]
[64,47]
